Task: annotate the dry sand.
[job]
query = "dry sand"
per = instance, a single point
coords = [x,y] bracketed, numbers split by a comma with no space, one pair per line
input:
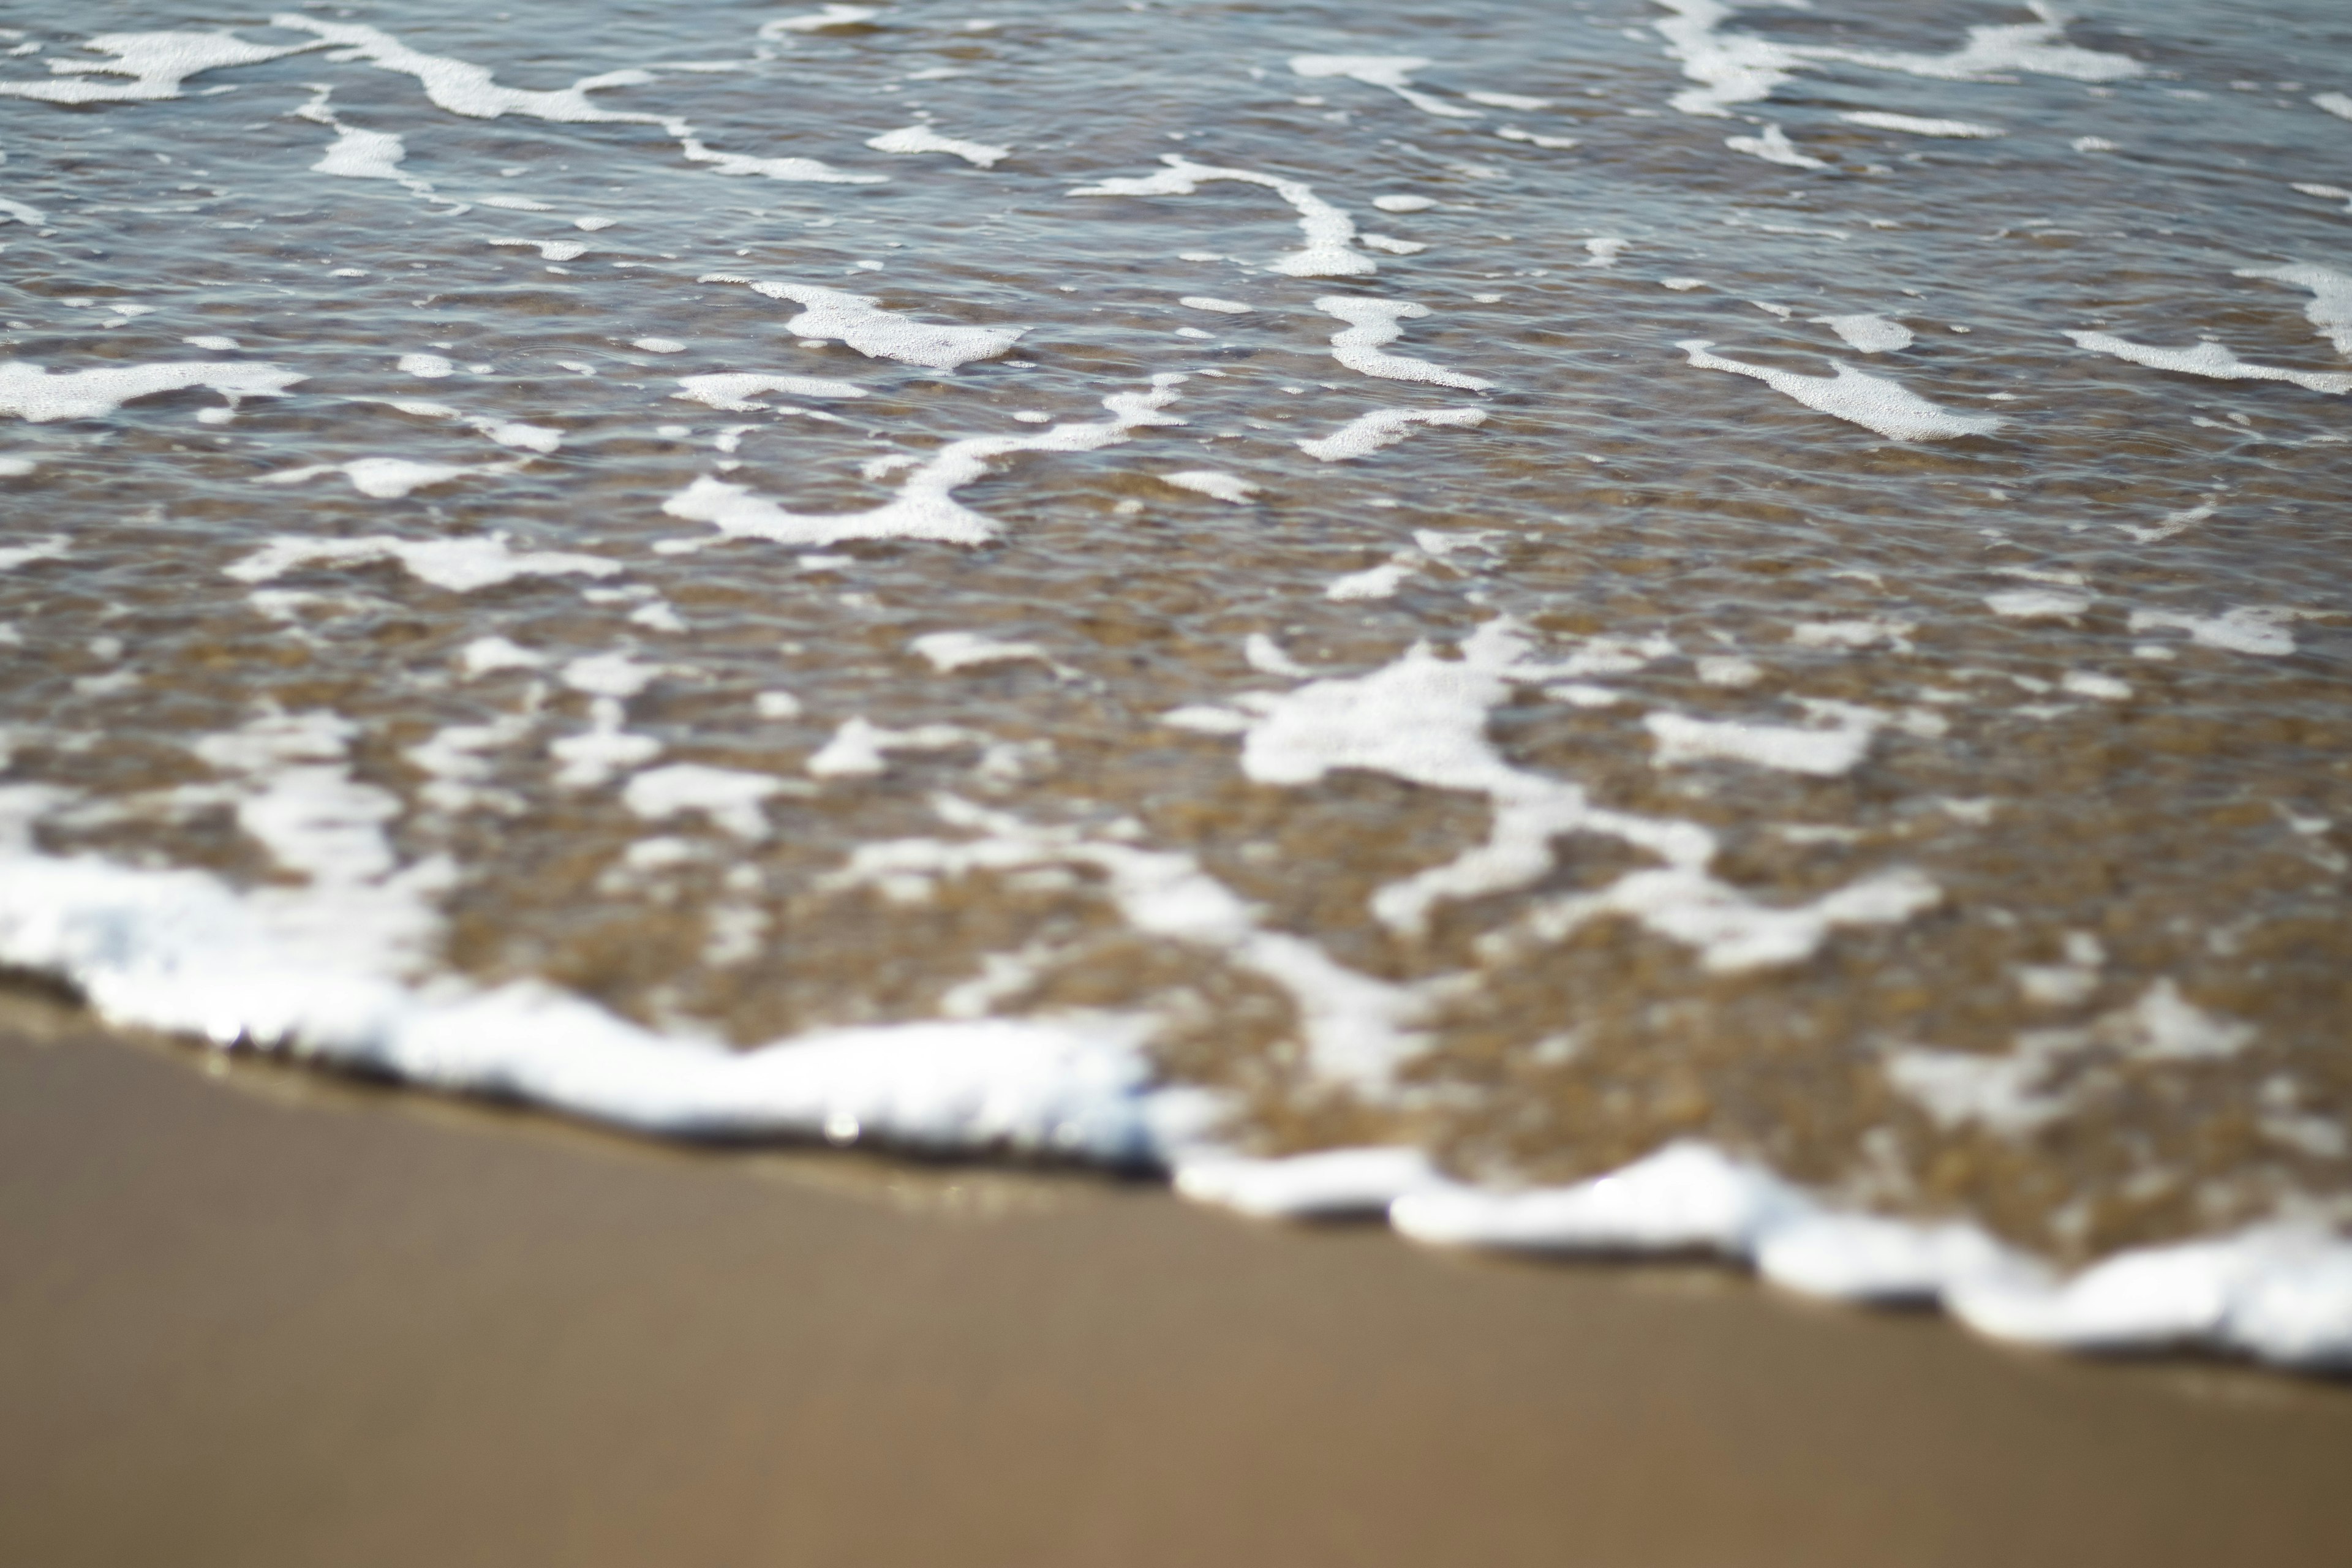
[319,1324]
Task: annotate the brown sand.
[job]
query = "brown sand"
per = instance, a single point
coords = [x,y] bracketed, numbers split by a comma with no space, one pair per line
[310,1325]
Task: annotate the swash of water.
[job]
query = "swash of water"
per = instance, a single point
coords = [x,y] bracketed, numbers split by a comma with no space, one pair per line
[1750,600]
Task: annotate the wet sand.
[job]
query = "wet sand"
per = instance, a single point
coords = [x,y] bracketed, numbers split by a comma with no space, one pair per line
[316,1323]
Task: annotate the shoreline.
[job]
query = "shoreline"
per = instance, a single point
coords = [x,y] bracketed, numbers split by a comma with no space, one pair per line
[324,1321]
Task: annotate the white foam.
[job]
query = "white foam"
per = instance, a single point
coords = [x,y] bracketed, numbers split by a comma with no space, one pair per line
[1867,333]
[2260,630]
[1372,322]
[1212,483]
[1368,433]
[2209,359]
[1380,582]
[484,655]
[385,478]
[37,396]
[1552,144]
[2330,310]
[1731,67]
[1509,100]
[1603,251]
[951,651]
[1822,752]
[425,366]
[923,139]
[858,321]
[1327,229]
[817,21]
[925,506]
[291,969]
[54,548]
[1383,71]
[22,212]
[1357,1028]
[359,155]
[1403,204]
[516,433]
[1210,302]
[1913,125]
[616,675]
[2335,103]
[460,565]
[1686,1197]
[156,63]
[1423,718]
[465,89]
[1774,147]
[548,249]
[860,748]
[1742,68]
[2036,48]
[732,392]
[1872,402]
[2037,604]
[181,950]
[798,171]
[1335,1183]
[731,798]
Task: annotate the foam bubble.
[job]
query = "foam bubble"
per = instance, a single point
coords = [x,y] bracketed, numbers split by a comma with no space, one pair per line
[359,155]
[858,321]
[2259,629]
[923,139]
[1383,71]
[1869,334]
[2335,103]
[460,565]
[1372,322]
[385,478]
[1327,229]
[2037,604]
[22,212]
[2330,310]
[1403,204]
[157,64]
[2209,359]
[1869,401]
[462,88]
[1603,251]
[1211,482]
[817,21]
[1553,143]
[1335,1183]
[731,798]
[925,506]
[860,748]
[802,171]
[1210,302]
[1508,100]
[1774,147]
[1819,752]
[37,396]
[1912,125]
[53,547]
[548,249]
[733,392]
[951,651]
[1368,433]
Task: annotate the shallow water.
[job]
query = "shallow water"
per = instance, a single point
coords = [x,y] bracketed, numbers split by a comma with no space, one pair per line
[1527,581]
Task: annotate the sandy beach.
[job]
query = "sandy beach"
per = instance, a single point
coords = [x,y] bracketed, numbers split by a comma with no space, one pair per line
[274,1318]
